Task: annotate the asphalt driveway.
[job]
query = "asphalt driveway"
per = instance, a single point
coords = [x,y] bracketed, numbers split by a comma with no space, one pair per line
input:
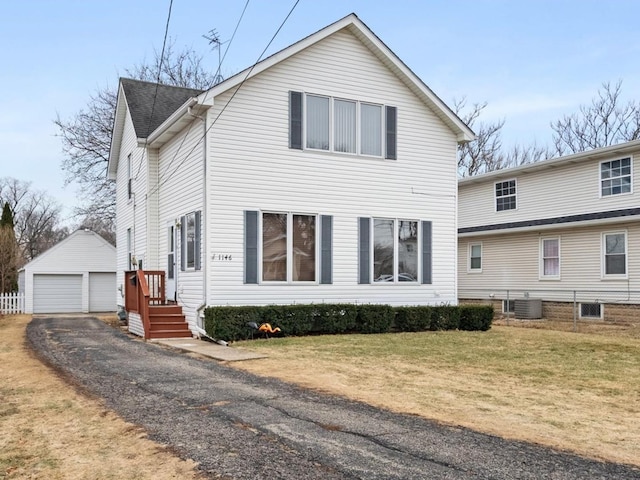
[240,426]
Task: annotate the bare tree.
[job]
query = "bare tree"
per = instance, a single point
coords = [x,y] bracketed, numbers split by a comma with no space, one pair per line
[86,136]
[606,121]
[100,225]
[8,252]
[36,218]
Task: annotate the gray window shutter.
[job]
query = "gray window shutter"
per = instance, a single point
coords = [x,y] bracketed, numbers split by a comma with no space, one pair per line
[183,243]
[197,242]
[250,246]
[391,114]
[295,120]
[326,249]
[364,250]
[426,253]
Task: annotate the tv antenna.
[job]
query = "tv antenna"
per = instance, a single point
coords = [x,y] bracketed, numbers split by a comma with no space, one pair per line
[214,40]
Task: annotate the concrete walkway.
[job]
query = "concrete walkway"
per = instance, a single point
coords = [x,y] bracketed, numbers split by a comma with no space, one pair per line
[209,349]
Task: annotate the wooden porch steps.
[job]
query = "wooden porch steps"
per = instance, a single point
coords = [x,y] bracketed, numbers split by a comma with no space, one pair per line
[167,321]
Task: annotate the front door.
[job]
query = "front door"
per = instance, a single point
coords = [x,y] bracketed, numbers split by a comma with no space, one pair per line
[170,278]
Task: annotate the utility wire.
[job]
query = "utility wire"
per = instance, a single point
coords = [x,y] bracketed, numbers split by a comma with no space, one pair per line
[155,93]
[213,82]
[232,96]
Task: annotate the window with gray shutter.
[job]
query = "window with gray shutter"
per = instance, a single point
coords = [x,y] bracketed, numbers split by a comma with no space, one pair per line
[426,253]
[295,120]
[250,246]
[391,122]
[326,247]
[364,250]
[197,242]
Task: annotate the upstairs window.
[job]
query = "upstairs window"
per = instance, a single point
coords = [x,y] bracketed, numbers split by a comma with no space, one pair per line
[319,122]
[506,195]
[615,177]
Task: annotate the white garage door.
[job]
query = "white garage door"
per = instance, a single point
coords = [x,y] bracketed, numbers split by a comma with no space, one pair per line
[102,292]
[57,293]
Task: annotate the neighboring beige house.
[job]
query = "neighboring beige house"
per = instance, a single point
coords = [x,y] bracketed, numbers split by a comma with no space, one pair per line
[77,275]
[325,173]
[545,237]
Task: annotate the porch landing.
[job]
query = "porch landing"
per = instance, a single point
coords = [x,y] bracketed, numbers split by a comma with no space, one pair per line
[208,349]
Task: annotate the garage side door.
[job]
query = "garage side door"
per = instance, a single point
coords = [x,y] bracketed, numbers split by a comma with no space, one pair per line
[102,292]
[57,293]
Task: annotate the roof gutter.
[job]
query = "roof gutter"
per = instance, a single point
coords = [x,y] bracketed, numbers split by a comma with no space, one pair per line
[184,110]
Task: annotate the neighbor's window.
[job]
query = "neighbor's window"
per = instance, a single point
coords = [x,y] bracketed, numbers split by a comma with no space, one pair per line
[288,247]
[615,177]
[395,250]
[342,125]
[615,253]
[506,195]
[475,257]
[591,310]
[550,252]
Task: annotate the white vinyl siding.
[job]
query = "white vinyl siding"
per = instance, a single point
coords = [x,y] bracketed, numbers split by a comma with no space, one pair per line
[251,168]
[582,262]
[567,189]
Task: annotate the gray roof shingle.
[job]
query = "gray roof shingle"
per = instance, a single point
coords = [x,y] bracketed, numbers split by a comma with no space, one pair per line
[139,95]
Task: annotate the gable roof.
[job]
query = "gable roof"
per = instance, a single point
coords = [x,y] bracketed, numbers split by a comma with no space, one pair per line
[356,27]
[138,97]
[71,243]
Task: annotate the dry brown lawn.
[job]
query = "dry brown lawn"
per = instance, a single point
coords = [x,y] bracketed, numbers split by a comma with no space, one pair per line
[544,384]
[50,431]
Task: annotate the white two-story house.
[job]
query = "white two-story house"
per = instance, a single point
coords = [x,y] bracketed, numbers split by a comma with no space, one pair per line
[324,173]
[558,239]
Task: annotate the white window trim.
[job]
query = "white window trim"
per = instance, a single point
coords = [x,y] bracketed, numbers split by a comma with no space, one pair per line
[600,179]
[542,275]
[289,280]
[603,254]
[396,241]
[331,150]
[580,316]
[495,196]
[469,251]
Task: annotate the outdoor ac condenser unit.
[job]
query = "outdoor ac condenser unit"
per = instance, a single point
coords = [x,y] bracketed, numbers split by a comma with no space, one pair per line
[528,308]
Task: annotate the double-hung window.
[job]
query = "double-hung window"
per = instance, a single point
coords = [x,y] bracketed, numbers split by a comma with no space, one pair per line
[190,241]
[287,247]
[320,122]
[475,257]
[614,249]
[615,177]
[550,258]
[506,195]
[394,250]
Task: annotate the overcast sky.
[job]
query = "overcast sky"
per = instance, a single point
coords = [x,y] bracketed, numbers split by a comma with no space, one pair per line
[531,60]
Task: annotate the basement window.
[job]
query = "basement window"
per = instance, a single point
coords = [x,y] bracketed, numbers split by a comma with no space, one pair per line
[591,311]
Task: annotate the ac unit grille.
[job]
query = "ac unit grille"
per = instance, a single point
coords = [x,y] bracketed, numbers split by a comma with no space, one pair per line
[528,308]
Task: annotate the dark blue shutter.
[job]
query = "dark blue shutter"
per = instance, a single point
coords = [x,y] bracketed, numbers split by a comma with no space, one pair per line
[326,249]
[426,253]
[364,250]
[250,246]
[391,121]
[183,243]
[295,120]
[197,242]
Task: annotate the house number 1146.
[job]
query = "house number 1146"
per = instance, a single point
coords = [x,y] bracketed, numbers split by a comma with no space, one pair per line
[221,257]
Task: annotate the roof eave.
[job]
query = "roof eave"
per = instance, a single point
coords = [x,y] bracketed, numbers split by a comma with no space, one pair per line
[116,134]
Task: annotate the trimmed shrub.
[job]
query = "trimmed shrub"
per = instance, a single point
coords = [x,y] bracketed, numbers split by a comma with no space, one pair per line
[292,319]
[413,319]
[230,323]
[374,318]
[475,317]
[445,317]
[335,318]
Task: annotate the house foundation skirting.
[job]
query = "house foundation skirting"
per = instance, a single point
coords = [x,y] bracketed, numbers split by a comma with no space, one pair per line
[618,313]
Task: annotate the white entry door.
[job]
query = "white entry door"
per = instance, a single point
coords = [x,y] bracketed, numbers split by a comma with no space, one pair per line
[170,278]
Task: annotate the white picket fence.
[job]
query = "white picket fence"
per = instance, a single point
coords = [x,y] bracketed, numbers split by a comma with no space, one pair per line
[11,303]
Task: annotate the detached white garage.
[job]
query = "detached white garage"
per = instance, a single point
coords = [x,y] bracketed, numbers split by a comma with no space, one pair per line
[78,275]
